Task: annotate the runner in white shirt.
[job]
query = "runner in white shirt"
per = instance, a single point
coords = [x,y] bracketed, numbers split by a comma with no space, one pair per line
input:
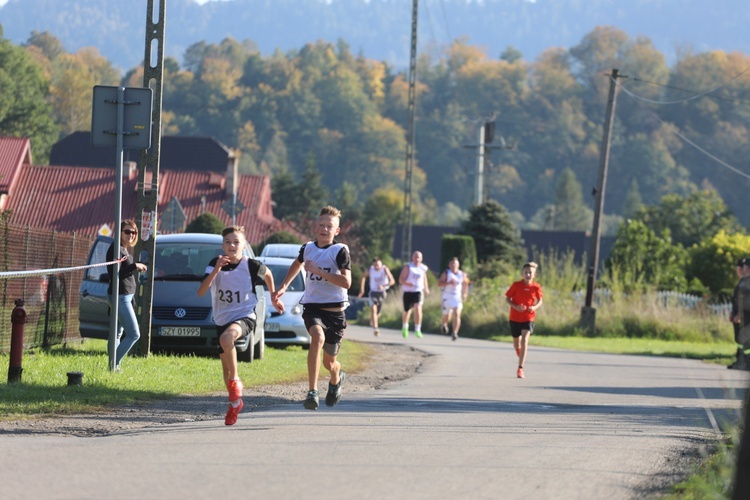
[380,280]
[328,267]
[231,278]
[413,280]
[455,285]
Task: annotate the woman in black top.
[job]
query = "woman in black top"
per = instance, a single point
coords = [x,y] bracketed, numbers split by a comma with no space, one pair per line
[126,288]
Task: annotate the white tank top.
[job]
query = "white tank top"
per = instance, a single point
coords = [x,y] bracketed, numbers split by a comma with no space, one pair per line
[378,277]
[416,277]
[232,294]
[317,289]
[453,289]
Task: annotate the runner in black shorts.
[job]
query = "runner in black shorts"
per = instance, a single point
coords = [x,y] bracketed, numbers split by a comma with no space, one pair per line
[381,279]
[411,299]
[328,268]
[333,324]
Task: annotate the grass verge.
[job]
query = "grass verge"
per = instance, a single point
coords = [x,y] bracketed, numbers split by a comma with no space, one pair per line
[43,389]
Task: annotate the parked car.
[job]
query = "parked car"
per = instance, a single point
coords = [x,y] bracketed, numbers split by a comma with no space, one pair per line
[286,250]
[181,321]
[288,328]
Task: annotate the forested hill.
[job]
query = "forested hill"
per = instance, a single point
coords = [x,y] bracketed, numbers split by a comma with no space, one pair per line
[380,29]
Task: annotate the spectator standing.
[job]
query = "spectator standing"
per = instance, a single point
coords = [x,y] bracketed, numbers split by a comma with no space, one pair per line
[737,316]
[128,330]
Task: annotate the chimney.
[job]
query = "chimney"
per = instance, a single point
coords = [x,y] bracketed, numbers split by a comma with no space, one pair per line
[232,178]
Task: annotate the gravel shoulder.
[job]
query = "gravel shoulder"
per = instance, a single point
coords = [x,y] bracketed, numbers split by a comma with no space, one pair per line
[389,364]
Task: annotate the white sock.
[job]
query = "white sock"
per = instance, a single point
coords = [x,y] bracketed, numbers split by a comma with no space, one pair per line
[418,327]
[405,326]
[235,403]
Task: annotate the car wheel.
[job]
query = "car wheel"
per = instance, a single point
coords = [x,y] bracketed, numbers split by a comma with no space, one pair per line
[246,356]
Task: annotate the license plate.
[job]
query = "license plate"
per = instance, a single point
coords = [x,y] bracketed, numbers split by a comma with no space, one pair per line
[271,327]
[180,331]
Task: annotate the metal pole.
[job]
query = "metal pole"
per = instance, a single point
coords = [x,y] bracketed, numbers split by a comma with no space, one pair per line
[113,340]
[479,181]
[588,313]
[147,200]
[406,229]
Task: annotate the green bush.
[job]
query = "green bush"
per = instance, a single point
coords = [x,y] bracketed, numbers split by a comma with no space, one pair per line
[205,223]
[461,246]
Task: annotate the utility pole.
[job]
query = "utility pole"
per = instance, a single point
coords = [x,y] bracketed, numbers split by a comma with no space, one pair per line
[479,181]
[588,312]
[148,175]
[484,149]
[411,127]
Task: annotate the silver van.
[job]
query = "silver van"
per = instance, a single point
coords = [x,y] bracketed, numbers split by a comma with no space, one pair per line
[181,321]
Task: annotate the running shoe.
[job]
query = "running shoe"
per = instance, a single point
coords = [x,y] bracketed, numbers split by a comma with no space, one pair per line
[444,329]
[418,334]
[454,336]
[519,373]
[376,333]
[405,332]
[235,389]
[232,413]
[334,391]
[311,403]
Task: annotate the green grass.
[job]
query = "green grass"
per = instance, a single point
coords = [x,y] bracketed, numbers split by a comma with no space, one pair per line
[43,388]
[713,478]
[715,352]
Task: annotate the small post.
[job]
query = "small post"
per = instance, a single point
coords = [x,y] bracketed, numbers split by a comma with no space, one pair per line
[75,378]
[18,320]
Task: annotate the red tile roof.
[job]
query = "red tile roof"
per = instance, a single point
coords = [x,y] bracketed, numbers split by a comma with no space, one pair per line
[69,199]
[193,189]
[82,199]
[14,152]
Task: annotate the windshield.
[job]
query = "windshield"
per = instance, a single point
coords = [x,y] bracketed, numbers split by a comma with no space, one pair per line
[279,273]
[184,261]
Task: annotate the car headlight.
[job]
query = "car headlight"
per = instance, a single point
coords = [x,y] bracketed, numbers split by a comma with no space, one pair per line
[297,309]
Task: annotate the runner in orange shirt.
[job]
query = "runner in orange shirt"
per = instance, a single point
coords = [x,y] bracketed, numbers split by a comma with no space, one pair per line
[524,298]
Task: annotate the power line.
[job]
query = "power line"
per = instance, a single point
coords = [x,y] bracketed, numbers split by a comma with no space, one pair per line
[672,87]
[445,21]
[675,131]
[689,98]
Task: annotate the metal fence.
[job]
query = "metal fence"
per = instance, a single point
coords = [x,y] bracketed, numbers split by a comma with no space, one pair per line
[51,301]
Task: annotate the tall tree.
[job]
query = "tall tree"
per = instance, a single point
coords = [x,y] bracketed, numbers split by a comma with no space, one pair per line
[690,219]
[24,111]
[643,258]
[571,214]
[494,234]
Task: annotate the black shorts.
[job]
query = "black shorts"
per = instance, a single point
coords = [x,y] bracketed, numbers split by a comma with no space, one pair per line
[246,325]
[411,299]
[333,324]
[377,299]
[516,327]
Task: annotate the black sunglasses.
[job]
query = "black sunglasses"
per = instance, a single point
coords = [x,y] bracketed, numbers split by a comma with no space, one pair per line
[129,232]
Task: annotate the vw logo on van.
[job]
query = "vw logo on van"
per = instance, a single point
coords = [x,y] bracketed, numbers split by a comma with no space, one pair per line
[180,312]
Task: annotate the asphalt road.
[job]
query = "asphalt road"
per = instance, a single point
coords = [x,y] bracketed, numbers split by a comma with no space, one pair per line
[579,426]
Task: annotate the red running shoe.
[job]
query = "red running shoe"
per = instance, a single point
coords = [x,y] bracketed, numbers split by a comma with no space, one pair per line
[519,373]
[232,413]
[235,389]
